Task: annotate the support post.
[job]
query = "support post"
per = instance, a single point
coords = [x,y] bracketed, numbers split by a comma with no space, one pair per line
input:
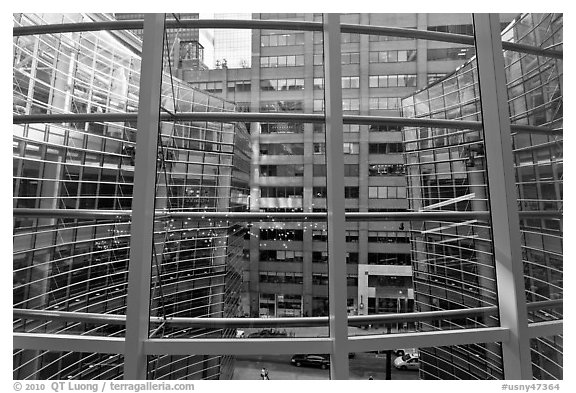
[337,289]
[517,363]
[142,225]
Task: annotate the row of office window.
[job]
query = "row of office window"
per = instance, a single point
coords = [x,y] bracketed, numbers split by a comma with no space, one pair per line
[281,277]
[388,237]
[386,192]
[281,256]
[281,61]
[288,170]
[392,56]
[350,192]
[350,170]
[401,80]
[282,84]
[281,192]
[348,148]
[239,86]
[281,106]
[322,257]
[384,103]
[386,170]
[282,39]
[386,148]
[297,278]
[317,256]
[281,234]
[211,87]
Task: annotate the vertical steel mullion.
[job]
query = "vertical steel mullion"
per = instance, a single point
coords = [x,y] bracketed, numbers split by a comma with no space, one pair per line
[517,363]
[337,289]
[142,225]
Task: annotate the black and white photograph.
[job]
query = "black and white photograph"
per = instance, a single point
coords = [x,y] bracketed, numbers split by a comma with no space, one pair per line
[312,196]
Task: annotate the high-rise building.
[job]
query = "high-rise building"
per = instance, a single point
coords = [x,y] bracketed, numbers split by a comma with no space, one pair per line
[80,264]
[454,265]
[187,49]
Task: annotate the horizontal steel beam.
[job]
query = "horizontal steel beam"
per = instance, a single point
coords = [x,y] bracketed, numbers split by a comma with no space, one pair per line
[68,342]
[263,216]
[427,339]
[244,346]
[544,304]
[247,117]
[252,216]
[546,329]
[276,25]
[356,320]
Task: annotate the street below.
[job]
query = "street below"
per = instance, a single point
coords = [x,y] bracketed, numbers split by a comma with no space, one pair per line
[362,366]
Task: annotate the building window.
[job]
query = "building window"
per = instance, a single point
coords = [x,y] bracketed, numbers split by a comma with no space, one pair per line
[350,104]
[350,58]
[351,148]
[386,148]
[351,192]
[319,170]
[386,170]
[318,105]
[351,127]
[281,106]
[350,82]
[392,56]
[282,39]
[319,192]
[281,84]
[376,103]
[399,80]
[387,192]
[351,170]
[319,148]
[280,192]
[351,237]
[282,149]
[281,61]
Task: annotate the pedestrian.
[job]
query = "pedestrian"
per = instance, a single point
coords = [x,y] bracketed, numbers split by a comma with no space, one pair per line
[264,373]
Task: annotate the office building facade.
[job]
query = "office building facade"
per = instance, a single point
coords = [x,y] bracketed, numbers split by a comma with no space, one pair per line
[80,264]
[454,265]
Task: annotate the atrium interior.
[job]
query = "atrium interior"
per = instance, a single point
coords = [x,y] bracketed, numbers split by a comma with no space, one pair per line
[385,190]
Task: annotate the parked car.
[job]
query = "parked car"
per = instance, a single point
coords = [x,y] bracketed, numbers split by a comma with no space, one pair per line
[311,361]
[403,351]
[409,361]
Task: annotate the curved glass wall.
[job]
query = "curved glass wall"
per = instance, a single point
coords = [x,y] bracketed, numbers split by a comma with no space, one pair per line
[454,265]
